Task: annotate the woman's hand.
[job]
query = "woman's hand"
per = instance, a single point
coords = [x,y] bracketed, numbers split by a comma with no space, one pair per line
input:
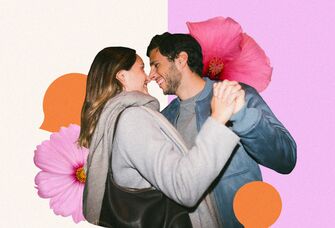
[225,96]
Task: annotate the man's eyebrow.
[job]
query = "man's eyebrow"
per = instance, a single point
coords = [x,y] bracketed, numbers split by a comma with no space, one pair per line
[153,62]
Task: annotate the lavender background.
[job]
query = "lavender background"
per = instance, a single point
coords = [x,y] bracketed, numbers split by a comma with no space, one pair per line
[298,37]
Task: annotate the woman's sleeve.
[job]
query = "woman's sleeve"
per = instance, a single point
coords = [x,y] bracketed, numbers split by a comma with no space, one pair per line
[182,177]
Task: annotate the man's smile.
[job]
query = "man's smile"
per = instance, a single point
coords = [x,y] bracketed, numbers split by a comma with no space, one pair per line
[160,80]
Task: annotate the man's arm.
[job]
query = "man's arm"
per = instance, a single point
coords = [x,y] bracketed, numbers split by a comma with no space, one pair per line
[262,135]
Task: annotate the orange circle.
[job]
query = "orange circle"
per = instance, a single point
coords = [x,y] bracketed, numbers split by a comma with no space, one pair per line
[257,204]
[63,101]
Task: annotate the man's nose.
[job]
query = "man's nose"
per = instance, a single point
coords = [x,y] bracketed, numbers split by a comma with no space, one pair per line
[152,73]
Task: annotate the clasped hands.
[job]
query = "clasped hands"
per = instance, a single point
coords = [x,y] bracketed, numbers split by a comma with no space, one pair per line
[228,98]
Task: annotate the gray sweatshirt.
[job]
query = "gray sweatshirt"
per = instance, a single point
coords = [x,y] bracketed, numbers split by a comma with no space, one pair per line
[143,156]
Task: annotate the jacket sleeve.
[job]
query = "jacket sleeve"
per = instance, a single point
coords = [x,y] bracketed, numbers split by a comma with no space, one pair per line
[262,135]
[182,177]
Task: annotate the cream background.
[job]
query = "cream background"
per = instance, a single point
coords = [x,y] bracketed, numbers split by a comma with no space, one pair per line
[40,41]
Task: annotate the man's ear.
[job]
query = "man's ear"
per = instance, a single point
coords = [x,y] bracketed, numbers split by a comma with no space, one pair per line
[181,60]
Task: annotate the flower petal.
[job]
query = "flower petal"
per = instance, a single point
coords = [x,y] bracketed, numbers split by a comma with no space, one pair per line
[66,144]
[68,202]
[50,184]
[251,67]
[218,37]
[80,153]
[48,159]
[61,154]
[78,216]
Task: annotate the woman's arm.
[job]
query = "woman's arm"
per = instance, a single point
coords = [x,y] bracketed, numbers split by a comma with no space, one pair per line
[183,178]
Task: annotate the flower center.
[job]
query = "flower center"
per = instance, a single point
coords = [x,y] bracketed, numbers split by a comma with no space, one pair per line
[215,66]
[80,175]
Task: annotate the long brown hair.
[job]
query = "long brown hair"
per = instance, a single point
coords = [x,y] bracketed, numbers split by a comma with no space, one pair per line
[101,86]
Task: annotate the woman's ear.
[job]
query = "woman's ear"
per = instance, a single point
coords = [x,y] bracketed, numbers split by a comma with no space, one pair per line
[121,77]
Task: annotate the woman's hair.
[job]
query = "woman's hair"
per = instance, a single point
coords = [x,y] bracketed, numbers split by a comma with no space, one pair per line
[101,86]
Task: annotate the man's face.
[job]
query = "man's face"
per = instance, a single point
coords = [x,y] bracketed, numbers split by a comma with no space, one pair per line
[164,72]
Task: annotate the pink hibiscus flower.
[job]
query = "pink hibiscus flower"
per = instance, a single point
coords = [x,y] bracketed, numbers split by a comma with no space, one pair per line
[62,177]
[228,53]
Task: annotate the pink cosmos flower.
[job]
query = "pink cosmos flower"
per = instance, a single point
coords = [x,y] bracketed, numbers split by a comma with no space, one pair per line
[228,53]
[62,177]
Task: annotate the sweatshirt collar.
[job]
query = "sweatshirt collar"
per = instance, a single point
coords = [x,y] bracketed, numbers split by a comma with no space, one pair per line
[206,91]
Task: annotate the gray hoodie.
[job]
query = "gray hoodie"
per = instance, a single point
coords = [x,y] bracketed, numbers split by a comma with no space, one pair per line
[144,156]
[148,152]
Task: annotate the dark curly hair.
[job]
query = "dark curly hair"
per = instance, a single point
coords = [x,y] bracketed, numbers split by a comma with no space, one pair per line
[170,45]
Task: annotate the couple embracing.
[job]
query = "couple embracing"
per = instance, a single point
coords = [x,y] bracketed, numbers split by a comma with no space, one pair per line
[204,146]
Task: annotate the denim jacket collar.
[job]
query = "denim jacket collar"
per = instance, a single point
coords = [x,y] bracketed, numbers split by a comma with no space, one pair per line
[207,91]
[202,108]
[203,103]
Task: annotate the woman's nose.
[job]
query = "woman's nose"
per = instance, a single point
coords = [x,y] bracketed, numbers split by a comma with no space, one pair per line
[147,78]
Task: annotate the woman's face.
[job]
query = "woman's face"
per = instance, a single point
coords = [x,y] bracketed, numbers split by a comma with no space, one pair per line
[136,78]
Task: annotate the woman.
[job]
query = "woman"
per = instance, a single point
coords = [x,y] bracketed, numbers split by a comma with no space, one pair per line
[119,118]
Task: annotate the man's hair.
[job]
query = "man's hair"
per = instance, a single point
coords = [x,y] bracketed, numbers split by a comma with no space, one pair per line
[170,46]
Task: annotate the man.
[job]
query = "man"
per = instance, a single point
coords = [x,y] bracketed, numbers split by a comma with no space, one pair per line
[176,66]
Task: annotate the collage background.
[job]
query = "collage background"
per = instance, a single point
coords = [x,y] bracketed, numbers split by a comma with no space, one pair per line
[40,41]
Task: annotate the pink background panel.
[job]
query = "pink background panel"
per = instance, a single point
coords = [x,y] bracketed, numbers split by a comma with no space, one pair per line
[299,39]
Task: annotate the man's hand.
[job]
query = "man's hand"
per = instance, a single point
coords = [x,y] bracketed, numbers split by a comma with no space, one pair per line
[239,101]
[224,100]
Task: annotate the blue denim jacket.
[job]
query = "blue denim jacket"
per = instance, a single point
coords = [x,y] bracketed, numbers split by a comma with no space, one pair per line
[264,140]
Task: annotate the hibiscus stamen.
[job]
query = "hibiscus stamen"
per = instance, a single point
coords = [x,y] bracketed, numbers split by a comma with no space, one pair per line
[80,175]
[215,66]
